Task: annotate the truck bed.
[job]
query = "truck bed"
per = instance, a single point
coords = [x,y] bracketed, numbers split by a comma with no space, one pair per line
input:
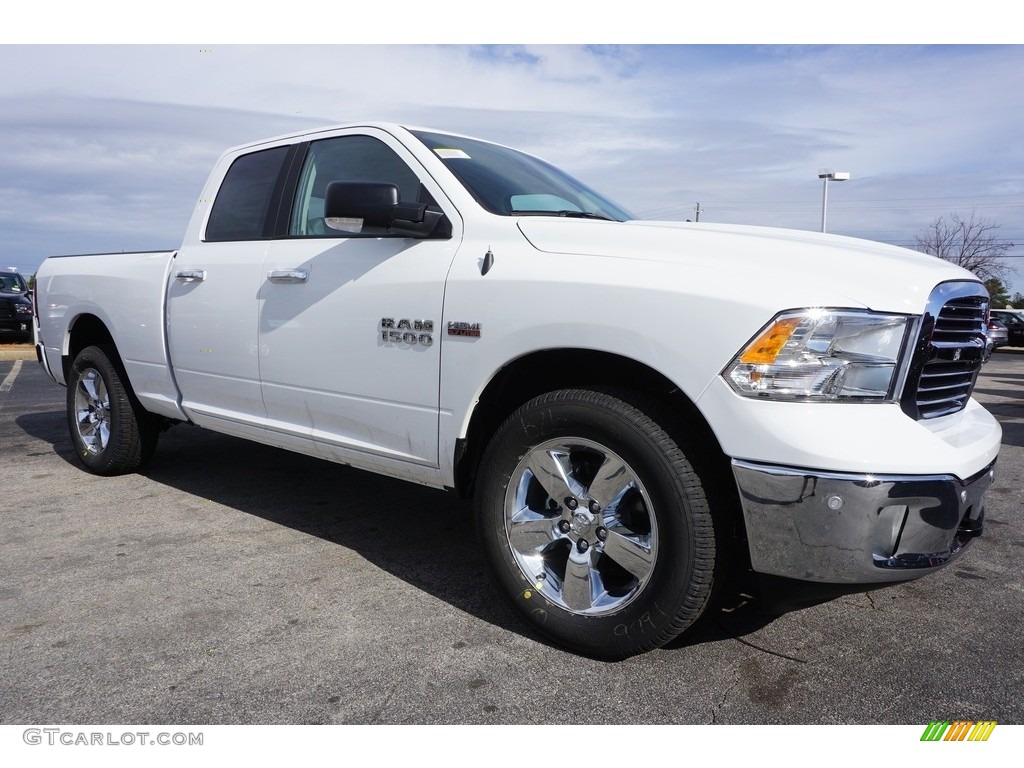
[127,293]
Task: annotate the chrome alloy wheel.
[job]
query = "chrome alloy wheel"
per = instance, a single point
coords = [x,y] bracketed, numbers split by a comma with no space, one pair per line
[581,526]
[92,411]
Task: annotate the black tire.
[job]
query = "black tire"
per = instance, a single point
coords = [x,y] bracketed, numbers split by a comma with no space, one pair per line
[111,432]
[646,570]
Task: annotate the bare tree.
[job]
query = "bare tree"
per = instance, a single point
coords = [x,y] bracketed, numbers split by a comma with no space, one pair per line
[971,243]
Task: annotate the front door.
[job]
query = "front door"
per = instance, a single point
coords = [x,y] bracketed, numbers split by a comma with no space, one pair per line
[349,320]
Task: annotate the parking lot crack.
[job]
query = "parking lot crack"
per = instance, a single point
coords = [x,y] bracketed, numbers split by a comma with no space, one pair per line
[757,647]
[715,710]
[769,651]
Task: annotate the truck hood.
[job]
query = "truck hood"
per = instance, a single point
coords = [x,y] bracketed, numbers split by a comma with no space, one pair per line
[825,270]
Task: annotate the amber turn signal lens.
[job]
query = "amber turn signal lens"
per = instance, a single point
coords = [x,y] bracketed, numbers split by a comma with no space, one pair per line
[766,347]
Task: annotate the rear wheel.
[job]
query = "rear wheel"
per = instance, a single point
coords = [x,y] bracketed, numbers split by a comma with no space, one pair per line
[596,524]
[111,432]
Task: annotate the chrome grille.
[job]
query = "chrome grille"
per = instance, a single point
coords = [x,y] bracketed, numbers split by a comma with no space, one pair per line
[949,353]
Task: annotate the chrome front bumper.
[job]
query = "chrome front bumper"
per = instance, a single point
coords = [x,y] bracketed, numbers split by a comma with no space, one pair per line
[856,528]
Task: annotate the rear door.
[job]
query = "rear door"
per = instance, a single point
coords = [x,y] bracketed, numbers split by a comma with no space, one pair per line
[213,293]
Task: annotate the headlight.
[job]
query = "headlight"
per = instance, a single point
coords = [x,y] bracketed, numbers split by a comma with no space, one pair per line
[822,354]
[23,309]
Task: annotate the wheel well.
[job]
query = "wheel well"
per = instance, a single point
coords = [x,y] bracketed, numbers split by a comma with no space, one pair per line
[86,331]
[540,372]
[646,388]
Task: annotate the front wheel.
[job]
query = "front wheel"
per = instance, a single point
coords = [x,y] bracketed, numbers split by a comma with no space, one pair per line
[596,524]
[111,432]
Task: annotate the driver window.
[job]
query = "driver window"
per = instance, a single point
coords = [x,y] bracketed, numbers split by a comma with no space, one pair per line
[345,158]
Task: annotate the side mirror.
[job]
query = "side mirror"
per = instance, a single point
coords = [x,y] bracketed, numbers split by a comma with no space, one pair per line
[352,205]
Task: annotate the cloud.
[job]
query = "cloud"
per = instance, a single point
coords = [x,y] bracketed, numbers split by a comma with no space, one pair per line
[107,146]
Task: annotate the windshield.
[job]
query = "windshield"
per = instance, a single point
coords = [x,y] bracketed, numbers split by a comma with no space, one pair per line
[11,282]
[511,183]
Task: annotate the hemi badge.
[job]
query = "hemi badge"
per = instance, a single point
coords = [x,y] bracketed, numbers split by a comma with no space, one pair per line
[464,329]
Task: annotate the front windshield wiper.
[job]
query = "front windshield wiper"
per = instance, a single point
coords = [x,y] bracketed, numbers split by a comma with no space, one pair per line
[564,214]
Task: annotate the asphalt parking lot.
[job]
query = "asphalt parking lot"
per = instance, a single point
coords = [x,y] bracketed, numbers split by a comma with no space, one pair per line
[235,583]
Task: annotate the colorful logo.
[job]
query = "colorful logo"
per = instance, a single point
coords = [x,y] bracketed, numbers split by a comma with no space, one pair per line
[958,730]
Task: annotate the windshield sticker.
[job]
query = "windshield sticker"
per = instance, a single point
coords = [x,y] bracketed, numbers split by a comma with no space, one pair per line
[451,154]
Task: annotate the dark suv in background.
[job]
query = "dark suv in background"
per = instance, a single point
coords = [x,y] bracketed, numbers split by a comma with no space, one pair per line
[15,307]
[1013,319]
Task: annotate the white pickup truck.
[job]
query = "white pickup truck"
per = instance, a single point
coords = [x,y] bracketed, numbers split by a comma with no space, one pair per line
[639,408]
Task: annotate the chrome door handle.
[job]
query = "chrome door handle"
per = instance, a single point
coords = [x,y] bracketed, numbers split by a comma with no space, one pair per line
[288,275]
[191,276]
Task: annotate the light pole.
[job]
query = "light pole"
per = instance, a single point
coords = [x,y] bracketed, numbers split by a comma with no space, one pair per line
[826,177]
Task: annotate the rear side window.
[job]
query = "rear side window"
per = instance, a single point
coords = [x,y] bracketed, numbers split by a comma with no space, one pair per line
[241,209]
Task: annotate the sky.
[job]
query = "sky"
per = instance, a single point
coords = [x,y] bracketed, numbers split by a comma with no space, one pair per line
[105,146]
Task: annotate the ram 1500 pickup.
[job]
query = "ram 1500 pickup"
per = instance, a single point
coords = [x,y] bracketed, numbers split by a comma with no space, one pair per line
[638,408]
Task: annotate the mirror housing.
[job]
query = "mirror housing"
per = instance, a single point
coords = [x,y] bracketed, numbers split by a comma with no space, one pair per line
[352,205]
